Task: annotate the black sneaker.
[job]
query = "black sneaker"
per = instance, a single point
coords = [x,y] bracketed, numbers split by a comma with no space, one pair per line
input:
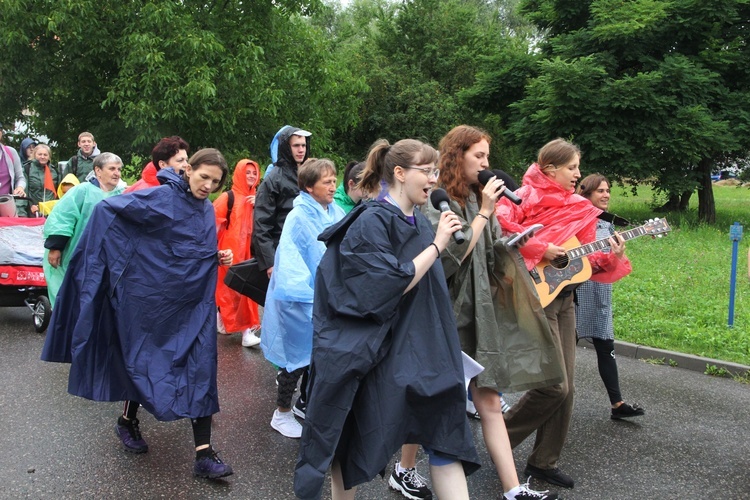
[527,493]
[210,466]
[300,408]
[130,435]
[626,411]
[410,484]
[552,476]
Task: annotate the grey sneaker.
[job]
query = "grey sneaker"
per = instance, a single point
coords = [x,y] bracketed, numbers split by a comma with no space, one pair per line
[286,424]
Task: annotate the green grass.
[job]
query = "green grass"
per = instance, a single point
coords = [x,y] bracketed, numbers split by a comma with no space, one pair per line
[677,296]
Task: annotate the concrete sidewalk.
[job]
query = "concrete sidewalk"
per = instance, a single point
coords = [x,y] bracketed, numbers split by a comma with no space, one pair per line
[692,442]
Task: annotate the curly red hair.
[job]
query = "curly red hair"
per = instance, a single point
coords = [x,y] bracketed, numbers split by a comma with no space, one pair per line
[452,149]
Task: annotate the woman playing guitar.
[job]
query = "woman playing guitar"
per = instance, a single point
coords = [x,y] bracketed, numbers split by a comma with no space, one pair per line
[549,198]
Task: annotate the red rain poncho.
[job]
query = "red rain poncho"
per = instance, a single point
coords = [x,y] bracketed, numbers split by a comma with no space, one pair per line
[563,213]
[237,311]
[147,180]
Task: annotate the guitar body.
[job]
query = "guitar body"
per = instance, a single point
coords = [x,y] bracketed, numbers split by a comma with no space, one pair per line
[552,276]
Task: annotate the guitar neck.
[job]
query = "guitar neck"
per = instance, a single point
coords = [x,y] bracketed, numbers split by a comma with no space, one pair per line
[575,253]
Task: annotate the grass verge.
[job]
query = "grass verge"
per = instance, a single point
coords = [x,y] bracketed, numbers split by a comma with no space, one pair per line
[678,294]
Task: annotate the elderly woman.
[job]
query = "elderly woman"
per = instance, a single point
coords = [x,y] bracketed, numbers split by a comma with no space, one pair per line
[66,223]
[287,315]
[137,315]
[41,178]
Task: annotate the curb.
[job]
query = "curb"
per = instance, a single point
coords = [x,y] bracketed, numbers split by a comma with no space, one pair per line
[686,361]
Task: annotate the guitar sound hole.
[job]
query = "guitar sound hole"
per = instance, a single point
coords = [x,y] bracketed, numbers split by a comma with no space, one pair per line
[560,262]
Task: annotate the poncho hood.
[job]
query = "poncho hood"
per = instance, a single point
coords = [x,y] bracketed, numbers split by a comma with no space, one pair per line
[539,193]
[22,150]
[285,157]
[239,178]
[68,179]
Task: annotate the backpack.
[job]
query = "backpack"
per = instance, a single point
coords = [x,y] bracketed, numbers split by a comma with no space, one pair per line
[73,165]
[230,205]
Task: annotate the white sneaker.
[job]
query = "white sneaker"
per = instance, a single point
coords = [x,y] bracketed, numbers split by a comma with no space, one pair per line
[504,406]
[286,424]
[220,324]
[249,339]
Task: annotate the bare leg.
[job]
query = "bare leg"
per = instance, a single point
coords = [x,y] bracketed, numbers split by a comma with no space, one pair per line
[409,456]
[337,484]
[449,481]
[496,439]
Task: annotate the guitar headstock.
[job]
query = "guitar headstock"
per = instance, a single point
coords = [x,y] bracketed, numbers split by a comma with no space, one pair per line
[656,227]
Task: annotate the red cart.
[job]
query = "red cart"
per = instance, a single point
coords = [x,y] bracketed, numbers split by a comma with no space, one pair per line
[22,280]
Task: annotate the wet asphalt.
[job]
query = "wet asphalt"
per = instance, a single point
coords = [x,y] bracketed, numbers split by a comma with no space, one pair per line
[693,442]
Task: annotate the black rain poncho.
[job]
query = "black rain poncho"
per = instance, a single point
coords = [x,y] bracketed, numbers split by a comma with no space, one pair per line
[386,368]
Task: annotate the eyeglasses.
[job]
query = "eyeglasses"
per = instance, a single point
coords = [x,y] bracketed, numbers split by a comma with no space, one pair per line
[429,172]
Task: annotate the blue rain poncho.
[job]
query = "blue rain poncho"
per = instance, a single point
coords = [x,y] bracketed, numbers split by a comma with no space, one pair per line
[287,315]
[136,314]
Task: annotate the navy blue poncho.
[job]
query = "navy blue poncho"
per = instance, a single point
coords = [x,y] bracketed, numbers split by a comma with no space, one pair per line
[136,314]
[386,366]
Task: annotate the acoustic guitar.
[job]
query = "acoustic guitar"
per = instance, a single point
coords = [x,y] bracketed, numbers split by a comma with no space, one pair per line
[551,276]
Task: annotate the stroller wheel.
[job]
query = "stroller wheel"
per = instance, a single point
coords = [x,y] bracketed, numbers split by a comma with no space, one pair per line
[42,313]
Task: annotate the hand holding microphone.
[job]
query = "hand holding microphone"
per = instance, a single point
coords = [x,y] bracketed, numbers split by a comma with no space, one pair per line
[486,176]
[449,221]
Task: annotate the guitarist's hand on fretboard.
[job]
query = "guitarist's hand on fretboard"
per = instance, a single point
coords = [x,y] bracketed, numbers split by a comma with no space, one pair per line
[617,244]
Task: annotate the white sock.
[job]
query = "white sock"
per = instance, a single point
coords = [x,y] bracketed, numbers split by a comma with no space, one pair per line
[399,469]
[511,494]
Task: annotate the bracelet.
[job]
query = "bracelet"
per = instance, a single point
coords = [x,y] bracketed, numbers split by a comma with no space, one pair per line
[483,217]
[436,248]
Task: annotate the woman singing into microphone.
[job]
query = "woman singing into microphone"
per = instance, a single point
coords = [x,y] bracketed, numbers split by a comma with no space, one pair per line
[386,363]
[472,269]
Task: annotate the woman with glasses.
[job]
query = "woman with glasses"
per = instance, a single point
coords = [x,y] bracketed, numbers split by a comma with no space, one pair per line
[386,364]
[469,269]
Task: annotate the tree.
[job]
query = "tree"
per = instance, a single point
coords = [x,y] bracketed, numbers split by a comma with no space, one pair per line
[223,74]
[650,89]
[416,57]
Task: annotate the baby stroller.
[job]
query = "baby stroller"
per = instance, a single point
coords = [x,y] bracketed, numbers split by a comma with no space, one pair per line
[22,280]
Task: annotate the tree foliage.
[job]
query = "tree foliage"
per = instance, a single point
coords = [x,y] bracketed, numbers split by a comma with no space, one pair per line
[654,90]
[650,89]
[226,74]
[417,57]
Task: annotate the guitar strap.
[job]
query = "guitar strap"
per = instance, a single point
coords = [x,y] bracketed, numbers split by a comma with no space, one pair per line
[614,219]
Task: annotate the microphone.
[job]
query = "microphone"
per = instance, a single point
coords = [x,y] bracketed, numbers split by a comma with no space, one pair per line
[486,175]
[440,200]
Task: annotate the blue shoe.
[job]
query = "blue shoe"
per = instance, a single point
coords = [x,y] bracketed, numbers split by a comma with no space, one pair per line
[130,435]
[211,466]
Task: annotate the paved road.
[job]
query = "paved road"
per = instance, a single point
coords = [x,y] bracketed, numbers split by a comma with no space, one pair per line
[692,443]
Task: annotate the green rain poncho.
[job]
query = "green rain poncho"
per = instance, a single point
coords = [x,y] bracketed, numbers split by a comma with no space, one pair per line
[69,219]
[500,321]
